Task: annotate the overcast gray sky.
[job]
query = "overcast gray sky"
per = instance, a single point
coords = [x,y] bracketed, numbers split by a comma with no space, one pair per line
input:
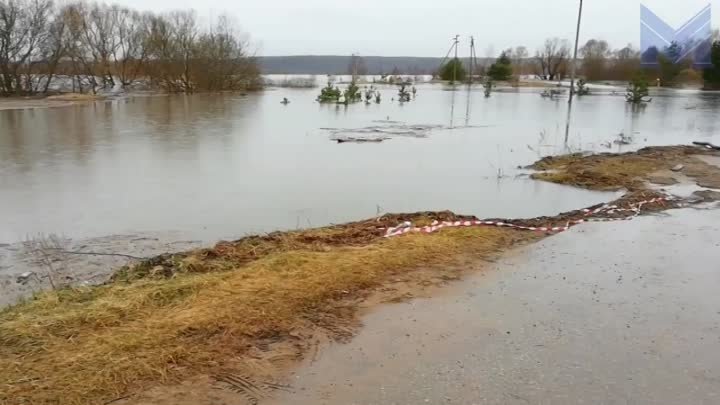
[425,27]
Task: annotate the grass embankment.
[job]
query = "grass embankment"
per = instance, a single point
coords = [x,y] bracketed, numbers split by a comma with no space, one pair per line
[183,315]
[630,170]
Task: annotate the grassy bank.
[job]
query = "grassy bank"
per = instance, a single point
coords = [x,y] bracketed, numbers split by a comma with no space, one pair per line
[91,345]
[630,171]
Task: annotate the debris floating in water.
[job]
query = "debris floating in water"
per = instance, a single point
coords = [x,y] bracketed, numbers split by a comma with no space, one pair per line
[379,133]
[707,145]
[359,140]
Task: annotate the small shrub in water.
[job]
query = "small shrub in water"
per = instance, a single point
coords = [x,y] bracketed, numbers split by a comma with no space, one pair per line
[352,93]
[488,85]
[403,94]
[582,89]
[637,90]
[329,94]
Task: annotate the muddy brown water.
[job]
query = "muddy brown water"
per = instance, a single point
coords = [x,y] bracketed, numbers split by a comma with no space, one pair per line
[220,166]
[610,313]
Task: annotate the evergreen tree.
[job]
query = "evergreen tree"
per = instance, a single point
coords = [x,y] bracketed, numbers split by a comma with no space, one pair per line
[452,70]
[501,70]
[637,90]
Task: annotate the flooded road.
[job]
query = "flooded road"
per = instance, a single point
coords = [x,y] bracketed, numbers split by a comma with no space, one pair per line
[221,166]
[607,313]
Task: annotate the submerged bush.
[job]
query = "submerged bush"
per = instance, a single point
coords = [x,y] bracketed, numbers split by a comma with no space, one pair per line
[352,93]
[637,90]
[582,89]
[329,94]
[333,94]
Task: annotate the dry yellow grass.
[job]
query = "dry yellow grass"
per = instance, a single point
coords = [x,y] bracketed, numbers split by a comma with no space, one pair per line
[606,171]
[229,255]
[91,345]
[627,170]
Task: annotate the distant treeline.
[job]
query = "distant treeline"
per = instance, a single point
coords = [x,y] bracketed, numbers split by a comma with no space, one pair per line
[101,46]
[597,61]
[550,62]
[337,65]
[673,65]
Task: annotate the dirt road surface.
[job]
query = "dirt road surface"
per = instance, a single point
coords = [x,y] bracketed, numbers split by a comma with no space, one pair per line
[608,313]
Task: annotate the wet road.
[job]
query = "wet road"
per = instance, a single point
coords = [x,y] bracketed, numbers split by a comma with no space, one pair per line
[611,313]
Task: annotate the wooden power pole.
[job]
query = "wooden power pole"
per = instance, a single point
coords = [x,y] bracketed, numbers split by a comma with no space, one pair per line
[573,71]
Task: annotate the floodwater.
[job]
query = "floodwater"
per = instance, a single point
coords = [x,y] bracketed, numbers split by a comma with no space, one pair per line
[607,313]
[221,166]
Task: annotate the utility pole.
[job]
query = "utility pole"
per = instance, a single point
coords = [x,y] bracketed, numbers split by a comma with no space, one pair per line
[455,62]
[573,70]
[453,46]
[573,67]
[472,58]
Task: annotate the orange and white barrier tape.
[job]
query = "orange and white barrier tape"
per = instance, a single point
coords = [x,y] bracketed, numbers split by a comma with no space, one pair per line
[407,227]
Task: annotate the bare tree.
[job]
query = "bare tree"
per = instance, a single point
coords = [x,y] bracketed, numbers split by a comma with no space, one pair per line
[23,29]
[171,46]
[130,54]
[53,50]
[220,57]
[100,46]
[185,32]
[161,50]
[595,54]
[552,58]
[99,35]
[79,50]
[357,66]
[519,57]
[624,64]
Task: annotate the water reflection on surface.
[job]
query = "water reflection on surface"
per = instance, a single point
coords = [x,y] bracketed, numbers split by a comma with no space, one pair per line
[223,165]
